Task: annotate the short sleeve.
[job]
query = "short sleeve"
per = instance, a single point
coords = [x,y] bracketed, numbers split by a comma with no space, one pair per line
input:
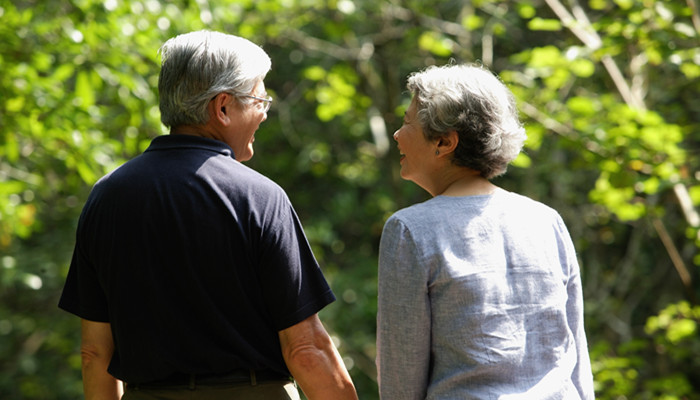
[293,283]
[82,293]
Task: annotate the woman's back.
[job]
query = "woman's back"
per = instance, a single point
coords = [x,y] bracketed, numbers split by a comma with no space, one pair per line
[480,295]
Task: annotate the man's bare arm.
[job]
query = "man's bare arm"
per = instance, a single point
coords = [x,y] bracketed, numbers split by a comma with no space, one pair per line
[96,349]
[314,361]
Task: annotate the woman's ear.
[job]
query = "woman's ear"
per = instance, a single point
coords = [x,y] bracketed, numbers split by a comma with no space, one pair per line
[447,143]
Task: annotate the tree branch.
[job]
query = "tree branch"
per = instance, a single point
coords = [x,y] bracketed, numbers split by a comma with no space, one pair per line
[583,29]
[676,258]
[559,128]
[323,46]
[580,27]
[693,5]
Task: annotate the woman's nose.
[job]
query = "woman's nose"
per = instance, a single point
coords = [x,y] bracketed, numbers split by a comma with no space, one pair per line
[395,135]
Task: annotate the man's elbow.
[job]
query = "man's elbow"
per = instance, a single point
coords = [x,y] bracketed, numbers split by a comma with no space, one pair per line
[92,355]
[307,356]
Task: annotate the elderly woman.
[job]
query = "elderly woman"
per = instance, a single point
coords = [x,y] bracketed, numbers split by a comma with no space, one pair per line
[479,288]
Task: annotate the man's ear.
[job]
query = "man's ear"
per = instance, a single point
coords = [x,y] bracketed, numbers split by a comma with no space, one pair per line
[448,143]
[218,108]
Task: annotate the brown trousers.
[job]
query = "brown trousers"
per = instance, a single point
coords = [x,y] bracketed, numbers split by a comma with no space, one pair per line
[273,390]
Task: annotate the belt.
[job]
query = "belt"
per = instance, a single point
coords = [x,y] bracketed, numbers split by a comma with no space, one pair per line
[191,381]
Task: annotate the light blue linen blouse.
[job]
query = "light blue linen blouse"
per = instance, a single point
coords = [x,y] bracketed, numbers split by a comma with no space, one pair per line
[480,298]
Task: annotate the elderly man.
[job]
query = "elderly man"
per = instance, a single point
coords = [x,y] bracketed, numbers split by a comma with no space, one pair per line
[191,272]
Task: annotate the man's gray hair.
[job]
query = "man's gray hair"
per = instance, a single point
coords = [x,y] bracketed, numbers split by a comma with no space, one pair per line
[472,101]
[197,66]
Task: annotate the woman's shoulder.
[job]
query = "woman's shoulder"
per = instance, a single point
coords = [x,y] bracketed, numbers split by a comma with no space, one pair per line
[521,204]
[501,203]
[437,210]
[418,212]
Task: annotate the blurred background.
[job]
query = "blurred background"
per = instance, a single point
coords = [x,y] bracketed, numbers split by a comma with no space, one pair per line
[608,91]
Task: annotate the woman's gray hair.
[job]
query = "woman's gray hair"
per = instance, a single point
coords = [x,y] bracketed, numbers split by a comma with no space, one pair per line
[472,101]
[197,66]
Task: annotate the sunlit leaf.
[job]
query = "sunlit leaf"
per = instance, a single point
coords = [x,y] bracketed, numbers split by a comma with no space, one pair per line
[435,43]
[691,70]
[472,22]
[315,73]
[522,161]
[542,24]
[526,11]
[84,90]
[582,105]
[545,56]
[582,68]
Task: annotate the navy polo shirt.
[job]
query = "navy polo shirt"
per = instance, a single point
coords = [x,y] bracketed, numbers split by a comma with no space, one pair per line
[195,260]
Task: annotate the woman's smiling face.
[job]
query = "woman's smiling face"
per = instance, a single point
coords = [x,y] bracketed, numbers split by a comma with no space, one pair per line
[417,152]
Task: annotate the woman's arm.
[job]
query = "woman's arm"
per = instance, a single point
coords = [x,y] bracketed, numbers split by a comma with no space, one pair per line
[403,317]
[582,375]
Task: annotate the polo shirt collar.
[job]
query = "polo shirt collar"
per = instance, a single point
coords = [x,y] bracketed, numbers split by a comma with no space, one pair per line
[178,141]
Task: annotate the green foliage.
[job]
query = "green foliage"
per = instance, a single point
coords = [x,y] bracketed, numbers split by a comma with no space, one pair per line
[77,98]
[616,375]
[637,151]
[650,367]
[676,333]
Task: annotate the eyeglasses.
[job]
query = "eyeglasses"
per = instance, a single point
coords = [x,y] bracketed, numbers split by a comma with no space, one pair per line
[266,102]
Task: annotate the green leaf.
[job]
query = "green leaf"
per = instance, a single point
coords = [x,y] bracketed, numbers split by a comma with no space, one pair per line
[435,43]
[14,105]
[526,11]
[522,161]
[681,330]
[545,56]
[542,24]
[582,68]
[624,4]
[472,22]
[582,105]
[62,72]
[690,70]
[11,187]
[83,89]
[315,73]
[10,148]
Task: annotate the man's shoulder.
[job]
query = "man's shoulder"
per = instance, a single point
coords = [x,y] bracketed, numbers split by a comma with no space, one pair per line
[232,173]
[192,168]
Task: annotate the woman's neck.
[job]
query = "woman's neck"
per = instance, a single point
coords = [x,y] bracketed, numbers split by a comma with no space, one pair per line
[464,182]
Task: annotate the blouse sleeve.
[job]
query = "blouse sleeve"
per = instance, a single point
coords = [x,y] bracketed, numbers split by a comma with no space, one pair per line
[403,316]
[582,376]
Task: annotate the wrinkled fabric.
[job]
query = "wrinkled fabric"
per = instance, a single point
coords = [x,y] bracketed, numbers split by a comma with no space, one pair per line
[195,260]
[480,298]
